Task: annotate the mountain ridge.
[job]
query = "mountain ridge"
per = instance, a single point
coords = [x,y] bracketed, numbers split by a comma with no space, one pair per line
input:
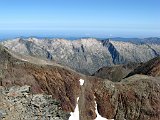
[83,53]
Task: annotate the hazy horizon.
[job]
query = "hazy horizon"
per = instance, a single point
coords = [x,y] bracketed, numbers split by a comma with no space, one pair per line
[58,18]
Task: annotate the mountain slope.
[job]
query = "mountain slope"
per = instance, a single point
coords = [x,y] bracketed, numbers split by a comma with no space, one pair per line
[115,73]
[135,98]
[151,68]
[81,54]
[133,52]
[54,80]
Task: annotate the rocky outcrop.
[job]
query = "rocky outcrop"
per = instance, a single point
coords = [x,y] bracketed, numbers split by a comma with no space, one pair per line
[17,103]
[81,54]
[151,68]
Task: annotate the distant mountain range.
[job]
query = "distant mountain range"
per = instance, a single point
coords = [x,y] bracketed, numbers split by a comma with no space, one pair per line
[87,55]
[150,40]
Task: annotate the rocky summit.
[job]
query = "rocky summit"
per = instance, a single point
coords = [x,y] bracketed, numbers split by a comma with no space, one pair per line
[85,55]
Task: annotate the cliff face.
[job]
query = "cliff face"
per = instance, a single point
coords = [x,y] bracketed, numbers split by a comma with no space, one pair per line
[81,54]
[134,98]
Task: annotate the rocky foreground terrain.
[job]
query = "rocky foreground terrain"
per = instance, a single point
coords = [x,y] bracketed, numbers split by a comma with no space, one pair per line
[54,90]
[86,55]
[17,103]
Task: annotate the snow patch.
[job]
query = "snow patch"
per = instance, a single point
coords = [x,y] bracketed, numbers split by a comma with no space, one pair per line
[24,60]
[112,85]
[81,82]
[75,114]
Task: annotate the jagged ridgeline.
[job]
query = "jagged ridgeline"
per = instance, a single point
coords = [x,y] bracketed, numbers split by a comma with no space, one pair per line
[86,55]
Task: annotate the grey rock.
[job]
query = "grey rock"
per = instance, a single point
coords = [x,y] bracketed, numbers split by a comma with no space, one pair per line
[2,114]
[85,55]
[16,103]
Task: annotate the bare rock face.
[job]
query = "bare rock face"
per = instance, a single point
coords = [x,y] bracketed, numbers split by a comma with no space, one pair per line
[85,55]
[17,103]
[135,98]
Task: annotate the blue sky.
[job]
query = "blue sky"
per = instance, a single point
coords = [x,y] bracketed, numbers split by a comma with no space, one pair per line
[102,18]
